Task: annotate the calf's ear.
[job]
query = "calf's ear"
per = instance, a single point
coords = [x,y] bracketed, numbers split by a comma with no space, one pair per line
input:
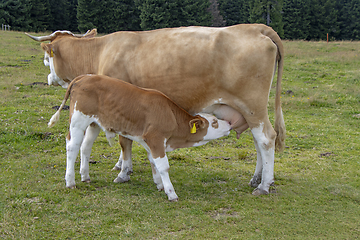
[196,124]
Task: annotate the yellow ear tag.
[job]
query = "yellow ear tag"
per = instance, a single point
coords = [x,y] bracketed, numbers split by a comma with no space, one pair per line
[51,53]
[193,129]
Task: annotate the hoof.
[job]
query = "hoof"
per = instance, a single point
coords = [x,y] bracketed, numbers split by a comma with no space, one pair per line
[121,180]
[258,192]
[86,180]
[160,187]
[116,168]
[255,182]
[174,200]
[71,187]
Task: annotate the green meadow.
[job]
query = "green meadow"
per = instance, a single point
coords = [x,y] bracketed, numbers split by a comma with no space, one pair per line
[317,178]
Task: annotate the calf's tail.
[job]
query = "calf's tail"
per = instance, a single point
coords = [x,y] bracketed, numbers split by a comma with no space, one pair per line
[55,118]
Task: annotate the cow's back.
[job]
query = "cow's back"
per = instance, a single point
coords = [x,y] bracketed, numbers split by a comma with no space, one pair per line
[194,65]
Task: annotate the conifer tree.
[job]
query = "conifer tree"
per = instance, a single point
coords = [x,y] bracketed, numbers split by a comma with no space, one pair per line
[323,19]
[173,13]
[38,12]
[296,19]
[235,11]
[351,28]
[267,12]
[87,14]
[193,13]
[13,13]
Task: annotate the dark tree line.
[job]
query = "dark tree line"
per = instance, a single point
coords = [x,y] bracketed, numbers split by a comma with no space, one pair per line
[298,19]
[292,19]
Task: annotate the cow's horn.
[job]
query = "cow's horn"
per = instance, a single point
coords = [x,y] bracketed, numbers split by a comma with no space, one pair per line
[81,35]
[41,39]
[54,34]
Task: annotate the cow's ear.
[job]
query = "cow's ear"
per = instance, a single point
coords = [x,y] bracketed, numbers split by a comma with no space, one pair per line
[48,47]
[91,34]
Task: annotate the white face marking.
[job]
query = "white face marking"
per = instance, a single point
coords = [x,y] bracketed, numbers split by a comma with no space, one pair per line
[53,79]
[46,59]
[221,129]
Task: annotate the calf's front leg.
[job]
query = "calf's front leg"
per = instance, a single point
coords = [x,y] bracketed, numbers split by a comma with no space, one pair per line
[162,166]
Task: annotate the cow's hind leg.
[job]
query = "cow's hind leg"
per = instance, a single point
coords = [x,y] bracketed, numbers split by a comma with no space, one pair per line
[90,135]
[264,138]
[124,160]
[256,179]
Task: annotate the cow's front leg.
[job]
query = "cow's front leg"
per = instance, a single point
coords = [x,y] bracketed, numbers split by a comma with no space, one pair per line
[125,161]
[91,134]
[264,136]
[162,166]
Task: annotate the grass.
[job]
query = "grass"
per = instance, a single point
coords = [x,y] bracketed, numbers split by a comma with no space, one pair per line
[317,184]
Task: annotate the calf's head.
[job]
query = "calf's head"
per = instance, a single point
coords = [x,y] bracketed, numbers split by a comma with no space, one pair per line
[209,128]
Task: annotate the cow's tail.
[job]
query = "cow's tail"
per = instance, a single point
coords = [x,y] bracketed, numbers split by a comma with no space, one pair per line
[55,118]
[279,118]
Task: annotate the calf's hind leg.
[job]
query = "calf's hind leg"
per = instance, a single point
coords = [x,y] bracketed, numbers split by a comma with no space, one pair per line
[91,134]
[125,154]
[124,160]
[79,123]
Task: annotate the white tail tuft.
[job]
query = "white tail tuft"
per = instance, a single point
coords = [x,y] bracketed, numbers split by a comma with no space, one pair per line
[54,119]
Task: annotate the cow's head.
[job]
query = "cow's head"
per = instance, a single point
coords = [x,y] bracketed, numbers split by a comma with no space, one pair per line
[209,127]
[50,52]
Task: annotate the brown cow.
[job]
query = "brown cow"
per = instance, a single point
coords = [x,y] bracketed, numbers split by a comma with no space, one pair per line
[225,71]
[143,115]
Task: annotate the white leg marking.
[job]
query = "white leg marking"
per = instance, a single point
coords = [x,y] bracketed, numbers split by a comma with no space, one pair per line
[126,169]
[118,165]
[85,151]
[267,159]
[72,150]
[256,180]
[79,122]
[156,174]
[162,165]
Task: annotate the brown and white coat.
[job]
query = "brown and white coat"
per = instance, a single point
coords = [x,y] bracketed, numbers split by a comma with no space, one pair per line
[143,115]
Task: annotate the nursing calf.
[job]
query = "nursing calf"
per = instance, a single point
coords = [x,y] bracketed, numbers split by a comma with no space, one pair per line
[143,115]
